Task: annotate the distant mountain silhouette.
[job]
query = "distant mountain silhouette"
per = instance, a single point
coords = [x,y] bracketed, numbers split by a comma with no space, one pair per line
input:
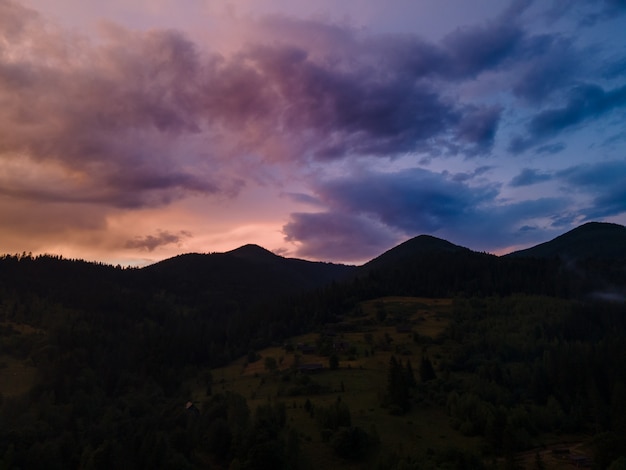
[420,245]
[254,252]
[424,264]
[250,271]
[591,240]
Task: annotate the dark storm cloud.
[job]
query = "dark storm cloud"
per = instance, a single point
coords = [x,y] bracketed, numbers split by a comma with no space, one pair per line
[463,53]
[587,12]
[595,175]
[146,117]
[356,113]
[112,119]
[550,148]
[607,9]
[478,127]
[162,238]
[584,103]
[142,118]
[603,184]
[529,176]
[608,203]
[413,202]
[465,176]
[604,181]
[479,48]
[614,69]
[302,198]
[346,93]
[555,64]
[332,235]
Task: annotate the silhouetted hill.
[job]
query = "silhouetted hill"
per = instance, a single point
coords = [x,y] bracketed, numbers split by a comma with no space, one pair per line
[311,274]
[247,273]
[231,281]
[254,252]
[417,246]
[591,240]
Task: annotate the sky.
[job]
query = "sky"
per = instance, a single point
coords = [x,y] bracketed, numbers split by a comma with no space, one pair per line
[133,131]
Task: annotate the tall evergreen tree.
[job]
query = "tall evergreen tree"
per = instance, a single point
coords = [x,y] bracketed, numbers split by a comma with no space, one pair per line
[397,388]
[409,376]
[427,371]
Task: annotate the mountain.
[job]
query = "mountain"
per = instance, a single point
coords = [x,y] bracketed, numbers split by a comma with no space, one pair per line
[124,349]
[420,245]
[592,240]
[255,253]
[247,274]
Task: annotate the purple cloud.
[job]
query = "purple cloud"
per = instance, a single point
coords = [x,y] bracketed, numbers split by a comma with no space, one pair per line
[479,48]
[585,102]
[141,108]
[553,64]
[588,12]
[528,177]
[152,242]
[135,119]
[339,236]
[604,181]
[416,201]
[412,200]
[478,127]
[550,148]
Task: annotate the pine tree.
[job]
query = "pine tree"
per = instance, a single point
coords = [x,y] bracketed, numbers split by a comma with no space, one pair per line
[409,376]
[427,372]
[397,388]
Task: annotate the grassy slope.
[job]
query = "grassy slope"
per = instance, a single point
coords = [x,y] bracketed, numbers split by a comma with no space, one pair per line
[364,380]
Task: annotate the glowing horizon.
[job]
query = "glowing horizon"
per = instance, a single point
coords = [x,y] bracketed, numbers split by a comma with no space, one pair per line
[131,133]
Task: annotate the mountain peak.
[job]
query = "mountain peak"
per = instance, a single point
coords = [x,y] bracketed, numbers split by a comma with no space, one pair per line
[418,245]
[590,240]
[252,252]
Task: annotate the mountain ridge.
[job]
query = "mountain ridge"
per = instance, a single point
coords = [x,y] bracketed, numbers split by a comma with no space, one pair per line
[591,240]
[602,239]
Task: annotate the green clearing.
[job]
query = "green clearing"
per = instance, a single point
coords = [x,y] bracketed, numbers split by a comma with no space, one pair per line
[360,380]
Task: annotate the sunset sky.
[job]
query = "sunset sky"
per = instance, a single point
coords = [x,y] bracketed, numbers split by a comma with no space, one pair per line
[135,130]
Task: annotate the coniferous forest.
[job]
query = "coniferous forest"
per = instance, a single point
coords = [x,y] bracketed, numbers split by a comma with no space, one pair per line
[111,367]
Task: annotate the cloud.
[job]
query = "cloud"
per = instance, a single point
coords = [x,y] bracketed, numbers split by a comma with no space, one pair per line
[338,236]
[604,181]
[585,102]
[588,12]
[412,202]
[152,242]
[478,48]
[302,198]
[109,120]
[139,119]
[464,176]
[614,69]
[595,175]
[479,126]
[528,177]
[550,148]
[554,64]
[609,9]
[127,120]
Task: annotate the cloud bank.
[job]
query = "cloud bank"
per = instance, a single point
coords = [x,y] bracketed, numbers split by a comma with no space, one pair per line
[129,120]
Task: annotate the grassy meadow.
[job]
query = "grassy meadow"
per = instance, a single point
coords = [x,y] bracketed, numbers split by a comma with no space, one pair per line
[368,340]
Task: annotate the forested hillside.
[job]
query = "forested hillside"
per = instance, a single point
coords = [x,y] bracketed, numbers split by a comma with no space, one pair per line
[97,362]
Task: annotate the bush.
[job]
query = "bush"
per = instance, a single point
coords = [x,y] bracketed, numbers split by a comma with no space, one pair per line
[350,442]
